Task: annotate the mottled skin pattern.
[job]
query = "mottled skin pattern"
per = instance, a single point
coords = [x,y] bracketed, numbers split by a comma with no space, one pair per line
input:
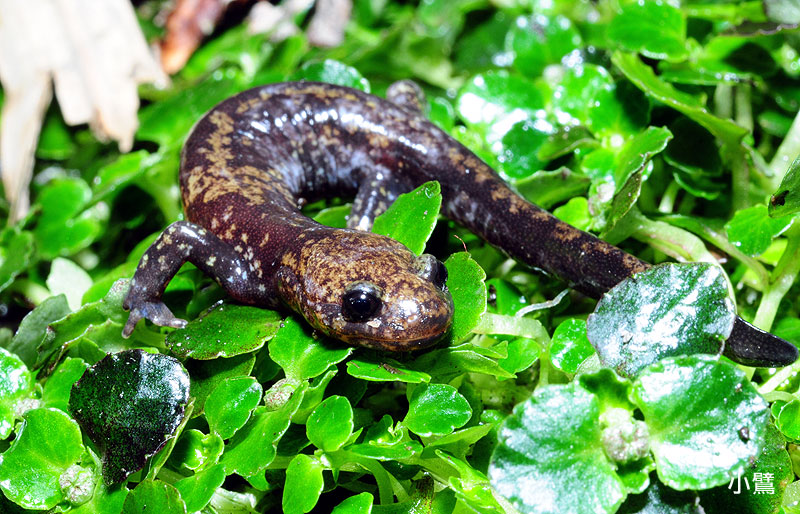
[252,162]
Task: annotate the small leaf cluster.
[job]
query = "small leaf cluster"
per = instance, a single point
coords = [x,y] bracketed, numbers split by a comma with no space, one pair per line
[666,128]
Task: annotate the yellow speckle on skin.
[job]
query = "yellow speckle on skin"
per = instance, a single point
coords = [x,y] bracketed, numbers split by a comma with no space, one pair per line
[211,260]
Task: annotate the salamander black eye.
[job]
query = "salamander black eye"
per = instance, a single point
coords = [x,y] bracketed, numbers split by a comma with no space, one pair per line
[439,275]
[360,302]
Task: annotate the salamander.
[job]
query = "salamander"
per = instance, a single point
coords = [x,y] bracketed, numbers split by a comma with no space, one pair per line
[252,162]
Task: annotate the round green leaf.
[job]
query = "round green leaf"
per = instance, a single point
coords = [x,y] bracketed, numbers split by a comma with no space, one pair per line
[228,407]
[706,420]
[48,443]
[129,404]
[356,504]
[465,282]
[655,29]
[226,330]
[198,489]
[494,101]
[411,218]
[16,383]
[303,484]
[332,72]
[436,409]
[207,375]
[570,346]
[788,419]
[549,445]
[63,226]
[518,153]
[331,423]
[786,199]
[154,496]
[300,354]
[58,386]
[670,309]
[575,212]
[540,40]
[751,230]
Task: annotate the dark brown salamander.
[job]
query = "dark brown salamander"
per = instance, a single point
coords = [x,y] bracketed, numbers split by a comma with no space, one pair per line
[251,163]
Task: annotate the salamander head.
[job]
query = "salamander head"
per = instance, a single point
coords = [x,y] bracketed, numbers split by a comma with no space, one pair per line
[368,290]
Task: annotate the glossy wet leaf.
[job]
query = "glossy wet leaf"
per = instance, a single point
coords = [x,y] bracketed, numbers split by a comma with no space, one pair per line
[436,409]
[16,385]
[654,29]
[706,420]
[787,418]
[412,217]
[550,443]
[302,356]
[197,490]
[356,504]
[195,450]
[303,484]
[546,188]
[115,176]
[384,370]
[129,404]
[229,405]
[154,496]
[570,346]
[331,423]
[638,151]
[751,230]
[539,40]
[226,330]
[670,309]
[332,72]
[47,443]
[660,499]
[767,477]
[519,149]
[493,102]
[465,282]
[786,199]
[69,279]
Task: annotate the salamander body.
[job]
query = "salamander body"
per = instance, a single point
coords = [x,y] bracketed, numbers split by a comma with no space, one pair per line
[251,163]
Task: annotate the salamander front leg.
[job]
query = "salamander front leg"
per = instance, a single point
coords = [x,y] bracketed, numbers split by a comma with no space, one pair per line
[181,242]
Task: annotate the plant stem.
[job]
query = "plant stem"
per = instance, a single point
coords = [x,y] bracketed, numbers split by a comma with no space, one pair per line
[673,241]
[723,100]
[779,378]
[667,203]
[783,276]
[500,324]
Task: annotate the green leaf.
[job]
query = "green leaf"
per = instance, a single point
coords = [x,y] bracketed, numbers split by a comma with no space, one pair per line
[69,279]
[782,11]
[229,405]
[129,404]
[64,227]
[654,29]
[226,330]
[128,169]
[54,140]
[332,72]
[356,504]
[412,217]
[570,345]
[767,478]
[300,355]
[493,102]
[518,155]
[331,423]
[384,370]
[197,490]
[751,230]
[551,442]
[154,496]
[786,199]
[638,151]
[465,282]
[104,500]
[698,166]
[539,40]
[16,384]
[47,444]
[436,409]
[643,77]
[207,375]
[670,309]
[706,420]
[252,448]
[546,188]
[16,251]
[575,212]
[660,499]
[195,450]
[788,419]
[303,485]
[57,389]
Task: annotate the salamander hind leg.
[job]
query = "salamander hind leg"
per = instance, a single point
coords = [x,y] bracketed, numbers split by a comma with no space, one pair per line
[181,242]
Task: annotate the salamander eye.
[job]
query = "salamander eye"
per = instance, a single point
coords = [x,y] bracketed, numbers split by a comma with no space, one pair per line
[431,268]
[360,302]
[439,275]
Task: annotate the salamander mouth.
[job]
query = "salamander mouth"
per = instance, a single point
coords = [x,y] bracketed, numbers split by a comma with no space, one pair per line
[397,345]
